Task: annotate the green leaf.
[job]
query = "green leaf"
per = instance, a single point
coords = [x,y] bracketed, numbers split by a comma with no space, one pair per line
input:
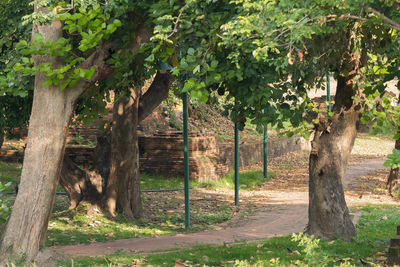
[150,58]
[190,51]
[65,84]
[196,69]
[48,82]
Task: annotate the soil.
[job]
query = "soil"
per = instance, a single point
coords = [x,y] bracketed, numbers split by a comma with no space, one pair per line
[281,208]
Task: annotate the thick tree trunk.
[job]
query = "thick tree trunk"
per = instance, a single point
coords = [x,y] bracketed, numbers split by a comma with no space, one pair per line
[123,188]
[392,181]
[26,229]
[123,185]
[88,185]
[331,148]
[81,184]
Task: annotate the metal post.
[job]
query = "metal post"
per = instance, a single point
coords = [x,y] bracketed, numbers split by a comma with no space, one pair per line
[265,151]
[236,164]
[328,92]
[186,159]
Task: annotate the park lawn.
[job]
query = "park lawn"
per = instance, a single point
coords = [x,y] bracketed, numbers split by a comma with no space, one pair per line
[87,225]
[68,227]
[376,226]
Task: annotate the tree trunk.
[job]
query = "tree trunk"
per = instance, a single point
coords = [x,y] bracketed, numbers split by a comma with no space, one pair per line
[81,184]
[392,181]
[26,229]
[123,188]
[328,214]
[88,185]
[123,185]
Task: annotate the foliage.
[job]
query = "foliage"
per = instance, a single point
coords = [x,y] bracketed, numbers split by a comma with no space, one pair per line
[266,55]
[14,105]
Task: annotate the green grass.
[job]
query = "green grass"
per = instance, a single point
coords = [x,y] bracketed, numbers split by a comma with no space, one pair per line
[66,227]
[376,226]
[248,180]
[10,172]
[159,181]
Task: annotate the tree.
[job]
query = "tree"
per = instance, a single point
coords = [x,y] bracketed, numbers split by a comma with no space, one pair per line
[271,54]
[71,52]
[100,187]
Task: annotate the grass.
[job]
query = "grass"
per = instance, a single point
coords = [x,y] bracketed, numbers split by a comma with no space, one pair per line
[376,226]
[10,172]
[75,227]
[68,227]
[72,227]
[161,182]
[248,180]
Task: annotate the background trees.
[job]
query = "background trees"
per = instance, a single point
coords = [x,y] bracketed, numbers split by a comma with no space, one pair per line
[15,104]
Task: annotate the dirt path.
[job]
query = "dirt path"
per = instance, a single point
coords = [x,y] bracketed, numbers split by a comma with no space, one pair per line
[284,213]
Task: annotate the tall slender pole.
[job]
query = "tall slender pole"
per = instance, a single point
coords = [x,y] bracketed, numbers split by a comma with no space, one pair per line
[265,151]
[328,92]
[186,159]
[236,164]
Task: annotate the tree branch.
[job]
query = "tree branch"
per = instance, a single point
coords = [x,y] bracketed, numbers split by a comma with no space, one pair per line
[389,21]
[99,57]
[157,92]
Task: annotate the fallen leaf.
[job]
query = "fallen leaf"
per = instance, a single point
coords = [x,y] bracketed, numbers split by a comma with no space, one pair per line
[110,234]
[296,252]
[180,264]
[259,245]
[380,254]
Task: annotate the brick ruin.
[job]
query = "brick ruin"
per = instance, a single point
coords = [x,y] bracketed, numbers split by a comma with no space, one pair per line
[162,154]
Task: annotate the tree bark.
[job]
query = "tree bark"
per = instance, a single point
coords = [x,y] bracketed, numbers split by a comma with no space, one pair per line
[333,141]
[123,188]
[80,184]
[26,229]
[88,185]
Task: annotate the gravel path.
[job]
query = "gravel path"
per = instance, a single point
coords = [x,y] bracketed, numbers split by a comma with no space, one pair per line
[284,213]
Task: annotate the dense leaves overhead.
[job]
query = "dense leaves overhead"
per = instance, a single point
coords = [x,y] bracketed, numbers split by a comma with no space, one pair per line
[263,55]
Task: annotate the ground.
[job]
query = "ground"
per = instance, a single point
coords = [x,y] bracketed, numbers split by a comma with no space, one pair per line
[267,208]
[278,207]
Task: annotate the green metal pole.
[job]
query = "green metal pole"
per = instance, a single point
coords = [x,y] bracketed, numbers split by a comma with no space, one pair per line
[265,151]
[328,92]
[236,164]
[186,159]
